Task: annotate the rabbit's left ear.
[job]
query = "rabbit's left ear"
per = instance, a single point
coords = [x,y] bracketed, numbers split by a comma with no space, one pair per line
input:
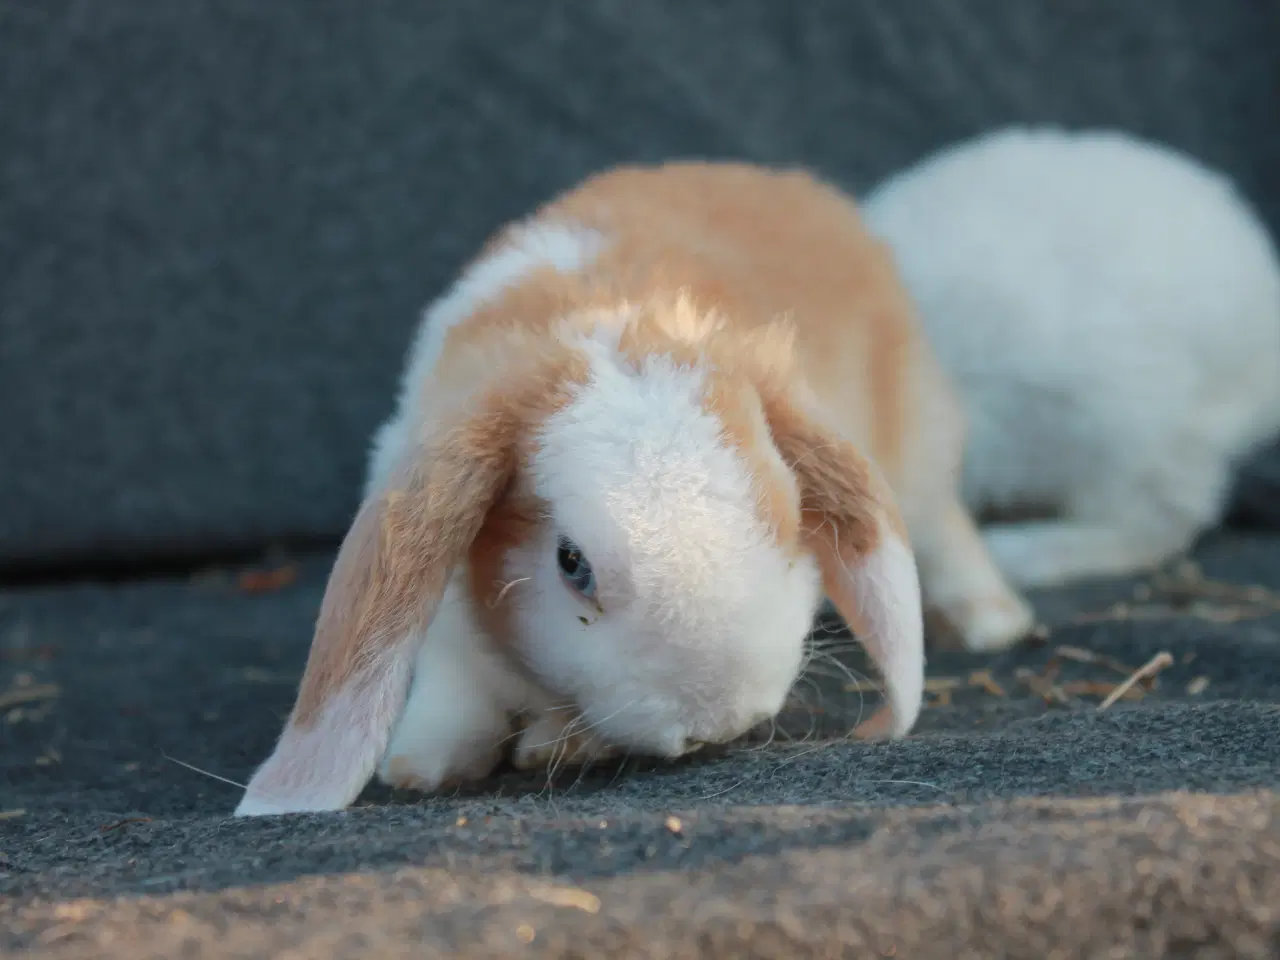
[393,567]
[387,581]
[851,522]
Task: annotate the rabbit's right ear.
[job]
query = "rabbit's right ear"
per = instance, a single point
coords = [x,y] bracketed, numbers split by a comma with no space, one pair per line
[387,581]
[868,568]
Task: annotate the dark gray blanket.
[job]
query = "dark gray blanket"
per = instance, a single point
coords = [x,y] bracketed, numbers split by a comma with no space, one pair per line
[1005,827]
[220,218]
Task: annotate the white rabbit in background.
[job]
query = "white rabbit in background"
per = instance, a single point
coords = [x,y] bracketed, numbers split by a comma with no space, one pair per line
[1110,312]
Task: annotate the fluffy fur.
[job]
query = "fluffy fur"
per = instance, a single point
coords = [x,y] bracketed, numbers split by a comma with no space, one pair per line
[1110,310]
[708,377]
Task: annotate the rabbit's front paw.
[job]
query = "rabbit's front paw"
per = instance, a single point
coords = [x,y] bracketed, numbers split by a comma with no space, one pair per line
[444,737]
[551,740]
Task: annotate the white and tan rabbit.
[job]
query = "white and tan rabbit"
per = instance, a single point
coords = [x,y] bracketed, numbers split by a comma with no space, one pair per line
[1110,311]
[639,439]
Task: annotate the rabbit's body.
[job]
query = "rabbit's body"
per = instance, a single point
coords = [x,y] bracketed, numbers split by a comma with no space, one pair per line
[714,235]
[1110,312]
[707,380]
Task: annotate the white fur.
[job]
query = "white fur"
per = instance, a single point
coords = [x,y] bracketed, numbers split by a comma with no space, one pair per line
[1110,310]
[311,770]
[703,617]
[889,572]
[460,703]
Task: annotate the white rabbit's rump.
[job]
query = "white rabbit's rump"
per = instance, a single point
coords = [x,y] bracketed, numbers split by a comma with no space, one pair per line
[1110,311]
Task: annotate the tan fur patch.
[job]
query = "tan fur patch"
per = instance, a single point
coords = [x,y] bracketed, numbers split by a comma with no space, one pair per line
[756,244]
[749,245]
[736,405]
[394,564]
[515,520]
[843,495]
[766,277]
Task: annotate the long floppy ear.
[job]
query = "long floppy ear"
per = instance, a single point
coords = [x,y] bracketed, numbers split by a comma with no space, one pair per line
[852,523]
[389,576]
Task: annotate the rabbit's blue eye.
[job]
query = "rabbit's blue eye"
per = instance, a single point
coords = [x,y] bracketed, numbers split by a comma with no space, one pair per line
[574,568]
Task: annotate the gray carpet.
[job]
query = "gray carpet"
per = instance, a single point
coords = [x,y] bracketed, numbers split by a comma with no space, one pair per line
[1006,827]
[221,217]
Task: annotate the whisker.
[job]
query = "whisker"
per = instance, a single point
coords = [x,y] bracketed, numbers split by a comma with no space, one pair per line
[796,756]
[583,770]
[813,727]
[560,749]
[836,644]
[808,708]
[823,669]
[761,747]
[773,734]
[549,743]
[505,588]
[911,783]
[561,756]
[825,630]
[596,723]
[842,669]
[622,766]
[728,789]
[211,776]
[511,735]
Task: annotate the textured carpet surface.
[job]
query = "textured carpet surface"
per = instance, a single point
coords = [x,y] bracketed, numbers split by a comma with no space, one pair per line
[220,219]
[1007,826]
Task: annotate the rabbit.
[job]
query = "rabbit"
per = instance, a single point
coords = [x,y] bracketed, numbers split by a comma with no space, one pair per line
[1109,309]
[647,431]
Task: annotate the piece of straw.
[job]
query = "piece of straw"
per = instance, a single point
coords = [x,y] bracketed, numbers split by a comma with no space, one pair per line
[1153,666]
